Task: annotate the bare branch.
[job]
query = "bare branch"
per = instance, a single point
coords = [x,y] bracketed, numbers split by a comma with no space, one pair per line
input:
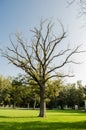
[57,56]
[70,2]
[35,59]
[60,76]
[66,61]
[55,42]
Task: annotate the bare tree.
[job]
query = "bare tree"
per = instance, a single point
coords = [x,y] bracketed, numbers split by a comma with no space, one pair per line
[36,58]
[81,4]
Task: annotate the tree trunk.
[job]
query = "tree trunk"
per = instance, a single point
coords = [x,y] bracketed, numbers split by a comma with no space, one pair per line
[14,105]
[42,102]
[34,105]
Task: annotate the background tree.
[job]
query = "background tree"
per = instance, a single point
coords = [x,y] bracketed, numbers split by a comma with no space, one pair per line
[80,94]
[62,97]
[38,58]
[16,92]
[34,93]
[30,90]
[81,4]
[71,95]
[5,87]
[53,89]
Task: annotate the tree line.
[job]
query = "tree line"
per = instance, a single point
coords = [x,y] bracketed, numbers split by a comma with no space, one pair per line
[15,92]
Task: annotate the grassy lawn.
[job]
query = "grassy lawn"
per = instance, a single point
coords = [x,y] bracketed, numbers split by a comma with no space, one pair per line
[55,120]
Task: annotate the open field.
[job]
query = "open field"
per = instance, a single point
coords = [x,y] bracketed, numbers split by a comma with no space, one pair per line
[56,120]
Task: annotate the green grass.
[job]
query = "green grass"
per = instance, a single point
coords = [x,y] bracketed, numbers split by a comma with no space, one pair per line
[56,120]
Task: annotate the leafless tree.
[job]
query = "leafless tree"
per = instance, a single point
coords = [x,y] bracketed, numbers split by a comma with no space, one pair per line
[37,58]
[81,4]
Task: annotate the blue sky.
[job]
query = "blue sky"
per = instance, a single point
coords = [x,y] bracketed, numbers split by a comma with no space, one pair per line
[23,15]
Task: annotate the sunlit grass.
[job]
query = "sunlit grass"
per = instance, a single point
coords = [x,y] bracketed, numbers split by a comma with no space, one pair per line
[55,120]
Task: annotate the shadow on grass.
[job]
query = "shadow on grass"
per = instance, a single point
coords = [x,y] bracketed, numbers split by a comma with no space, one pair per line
[19,117]
[68,111]
[37,125]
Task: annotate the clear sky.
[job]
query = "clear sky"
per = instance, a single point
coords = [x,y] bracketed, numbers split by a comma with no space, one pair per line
[23,15]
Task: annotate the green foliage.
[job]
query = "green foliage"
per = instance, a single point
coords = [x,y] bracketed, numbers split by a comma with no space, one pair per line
[5,86]
[52,91]
[72,95]
[23,92]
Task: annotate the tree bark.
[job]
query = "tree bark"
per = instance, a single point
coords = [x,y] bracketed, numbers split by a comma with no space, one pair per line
[42,102]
